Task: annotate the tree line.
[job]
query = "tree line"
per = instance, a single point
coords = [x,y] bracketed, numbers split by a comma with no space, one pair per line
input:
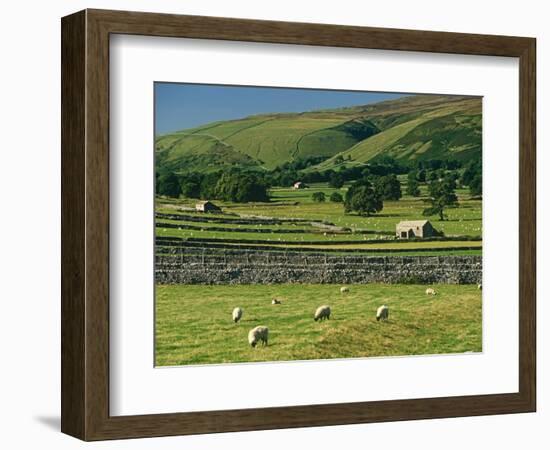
[233,185]
[371,184]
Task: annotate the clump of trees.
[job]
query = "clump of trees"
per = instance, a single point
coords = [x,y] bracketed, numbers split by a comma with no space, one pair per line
[240,188]
[168,184]
[442,196]
[388,187]
[191,185]
[287,173]
[472,177]
[476,185]
[362,198]
[336,180]
[336,197]
[233,185]
[318,197]
[413,187]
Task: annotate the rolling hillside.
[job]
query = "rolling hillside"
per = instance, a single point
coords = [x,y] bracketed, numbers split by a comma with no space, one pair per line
[414,127]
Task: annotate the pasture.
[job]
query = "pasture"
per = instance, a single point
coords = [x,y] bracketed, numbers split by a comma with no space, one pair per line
[301,222]
[194,326]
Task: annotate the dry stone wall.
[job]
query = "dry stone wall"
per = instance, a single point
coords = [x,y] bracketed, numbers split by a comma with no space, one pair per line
[236,266]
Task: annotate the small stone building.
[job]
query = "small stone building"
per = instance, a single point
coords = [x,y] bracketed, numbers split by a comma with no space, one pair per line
[408,229]
[207,207]
[299,185]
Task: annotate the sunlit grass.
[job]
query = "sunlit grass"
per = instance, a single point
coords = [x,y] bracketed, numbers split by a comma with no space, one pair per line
[194,326]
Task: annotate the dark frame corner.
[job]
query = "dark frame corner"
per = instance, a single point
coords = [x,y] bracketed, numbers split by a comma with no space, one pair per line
[85,224]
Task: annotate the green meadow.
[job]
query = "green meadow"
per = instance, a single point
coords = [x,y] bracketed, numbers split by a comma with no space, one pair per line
[194,325]
[355,232]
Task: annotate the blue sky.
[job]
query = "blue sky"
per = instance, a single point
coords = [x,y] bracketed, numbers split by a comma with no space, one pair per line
[179,106]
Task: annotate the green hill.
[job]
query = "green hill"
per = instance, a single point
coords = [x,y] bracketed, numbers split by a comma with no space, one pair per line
[414,127]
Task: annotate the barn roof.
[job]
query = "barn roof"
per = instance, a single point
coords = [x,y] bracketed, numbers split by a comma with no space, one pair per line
[412,223]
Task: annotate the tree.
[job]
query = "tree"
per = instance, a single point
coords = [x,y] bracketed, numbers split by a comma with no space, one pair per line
[239,187]
[412,187]
[336,180]
[473,177]
[365,172]
[169,185]
[432,176]
[472,169]
[362,198]
[191,185]
[451,178]
[421,175]
[388,187]
[336,197]
[208,185]
[476,185]
[288,178]
[250,188]
[318,197]
[442,196]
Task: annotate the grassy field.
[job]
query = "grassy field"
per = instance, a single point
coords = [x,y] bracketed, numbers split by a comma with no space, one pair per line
[355,231]
[194,326]
[292,203]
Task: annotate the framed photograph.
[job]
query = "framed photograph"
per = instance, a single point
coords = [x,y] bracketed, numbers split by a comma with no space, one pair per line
[273,225]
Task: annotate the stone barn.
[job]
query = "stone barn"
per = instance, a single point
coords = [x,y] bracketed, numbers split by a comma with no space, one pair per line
[408,229]
[299,185]
[207,207]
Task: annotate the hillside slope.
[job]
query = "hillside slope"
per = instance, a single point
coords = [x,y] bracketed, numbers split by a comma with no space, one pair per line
[413,127]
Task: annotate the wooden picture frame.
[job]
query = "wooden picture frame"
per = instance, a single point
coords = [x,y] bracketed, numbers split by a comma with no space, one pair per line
[85,224]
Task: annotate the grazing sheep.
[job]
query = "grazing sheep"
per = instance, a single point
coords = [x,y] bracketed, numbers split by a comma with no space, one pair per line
[275,302]
[479,286]
[382,313]
[258,334]
[323,312]
[237,314]
[430,291]
[344,290]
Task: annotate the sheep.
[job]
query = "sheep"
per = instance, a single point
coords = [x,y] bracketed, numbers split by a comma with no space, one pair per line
[382,313]
[323,312]
[275,302]
[258,334]
[479,286]
[430,291]
[344,290]
[237,314]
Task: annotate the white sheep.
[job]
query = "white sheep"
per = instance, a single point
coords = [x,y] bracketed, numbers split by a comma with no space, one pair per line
[344,290]
[323,312]
[479,286]
[258,334]
[382,313]
[237,314]
[430,291]
[275,302]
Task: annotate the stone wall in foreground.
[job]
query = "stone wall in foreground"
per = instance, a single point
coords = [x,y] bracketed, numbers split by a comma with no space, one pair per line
[236,266]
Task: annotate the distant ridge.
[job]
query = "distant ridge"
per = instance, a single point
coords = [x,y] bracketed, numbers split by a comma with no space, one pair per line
[416,127]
